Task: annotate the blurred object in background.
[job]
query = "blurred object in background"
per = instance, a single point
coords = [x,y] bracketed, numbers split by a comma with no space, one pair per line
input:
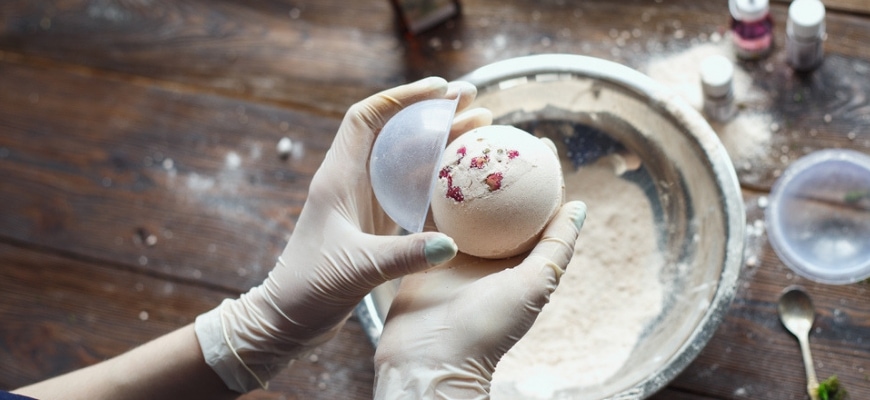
[751,28]
[416,16]
[805,34]
[717,73]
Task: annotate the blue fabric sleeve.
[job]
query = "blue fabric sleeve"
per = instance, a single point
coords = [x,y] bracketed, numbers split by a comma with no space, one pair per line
[11,396]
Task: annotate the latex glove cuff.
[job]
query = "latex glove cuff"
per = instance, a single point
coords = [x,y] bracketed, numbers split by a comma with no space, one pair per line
[468,381]
[220,355]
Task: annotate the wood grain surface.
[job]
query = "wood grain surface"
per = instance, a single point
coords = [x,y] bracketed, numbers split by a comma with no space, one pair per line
[140,182]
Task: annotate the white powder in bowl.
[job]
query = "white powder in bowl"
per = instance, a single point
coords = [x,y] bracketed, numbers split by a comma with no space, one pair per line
[606,298]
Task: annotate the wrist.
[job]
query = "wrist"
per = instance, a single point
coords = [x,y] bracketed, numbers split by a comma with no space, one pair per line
[246,341]
[220,355]
[415,380]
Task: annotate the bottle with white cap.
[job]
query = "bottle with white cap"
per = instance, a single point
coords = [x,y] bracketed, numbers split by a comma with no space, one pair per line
[751,28]
[717,73]
[805,34]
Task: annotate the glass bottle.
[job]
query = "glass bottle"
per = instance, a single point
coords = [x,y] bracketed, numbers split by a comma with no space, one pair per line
[805,34]
[416,16]
[751,28]
[717,73]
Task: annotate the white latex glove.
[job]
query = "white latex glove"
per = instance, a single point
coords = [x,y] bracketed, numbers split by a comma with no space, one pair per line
[449,326]
[335,255]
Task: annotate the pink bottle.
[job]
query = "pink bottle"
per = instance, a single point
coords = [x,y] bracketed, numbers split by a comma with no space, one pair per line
[751,28]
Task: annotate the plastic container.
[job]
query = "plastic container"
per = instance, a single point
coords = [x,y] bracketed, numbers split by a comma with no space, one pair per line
[717,73]
[805,34]
[819,216]
[405,157]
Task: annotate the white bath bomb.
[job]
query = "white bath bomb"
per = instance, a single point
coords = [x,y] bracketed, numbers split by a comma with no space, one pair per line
[497,188]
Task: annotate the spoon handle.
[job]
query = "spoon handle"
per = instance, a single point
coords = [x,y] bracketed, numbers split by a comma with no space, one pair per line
[812,381]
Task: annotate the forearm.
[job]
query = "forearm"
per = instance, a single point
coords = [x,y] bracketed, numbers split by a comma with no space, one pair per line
[171,366]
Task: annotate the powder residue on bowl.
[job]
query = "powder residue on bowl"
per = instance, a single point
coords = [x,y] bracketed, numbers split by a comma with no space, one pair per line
[608,295]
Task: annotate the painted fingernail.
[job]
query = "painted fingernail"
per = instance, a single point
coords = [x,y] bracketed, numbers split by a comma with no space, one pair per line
[439,249]
[580,215]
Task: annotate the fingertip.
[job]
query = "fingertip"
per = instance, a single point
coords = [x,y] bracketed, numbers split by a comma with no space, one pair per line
[466,91]
[470,119]
[481,116]
[430,83]
[550,144]
[578,213]
[460,88]
[439,248]
[374,111]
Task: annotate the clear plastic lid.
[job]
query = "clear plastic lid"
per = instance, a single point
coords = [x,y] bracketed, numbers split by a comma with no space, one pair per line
[405,157]
[819,216]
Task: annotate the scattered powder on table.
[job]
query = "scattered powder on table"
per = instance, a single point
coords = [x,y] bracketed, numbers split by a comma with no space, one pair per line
[608,295]
[747,136]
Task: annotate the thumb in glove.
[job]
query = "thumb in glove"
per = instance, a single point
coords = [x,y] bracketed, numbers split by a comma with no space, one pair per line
[449,326]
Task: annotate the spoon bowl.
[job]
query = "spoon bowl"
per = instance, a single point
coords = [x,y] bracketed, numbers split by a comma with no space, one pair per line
[797,314]
[796,311]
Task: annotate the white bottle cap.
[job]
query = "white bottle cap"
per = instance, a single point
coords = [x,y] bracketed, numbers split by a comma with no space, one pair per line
[749,10]
[716,74]
[806,18]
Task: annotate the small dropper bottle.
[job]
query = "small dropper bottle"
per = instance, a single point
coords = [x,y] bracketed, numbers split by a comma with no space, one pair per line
[805,34]
[717,73]
[751,28]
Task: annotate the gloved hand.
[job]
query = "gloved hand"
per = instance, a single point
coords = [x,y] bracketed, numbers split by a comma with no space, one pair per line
[449,326]
[335,255]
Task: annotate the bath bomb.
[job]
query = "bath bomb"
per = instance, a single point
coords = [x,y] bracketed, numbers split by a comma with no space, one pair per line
[496,190]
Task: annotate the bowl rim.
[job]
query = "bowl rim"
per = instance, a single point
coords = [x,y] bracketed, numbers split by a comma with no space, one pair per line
[721,168]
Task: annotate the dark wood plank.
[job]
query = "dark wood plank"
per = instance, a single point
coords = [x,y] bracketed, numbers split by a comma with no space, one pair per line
[824,109]
[95,97]
[60,314]
[96,167]
[302,55]
[326,55]
[257,36]
[669,393]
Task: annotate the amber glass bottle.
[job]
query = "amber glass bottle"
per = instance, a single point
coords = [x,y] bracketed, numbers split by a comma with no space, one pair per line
[416,16]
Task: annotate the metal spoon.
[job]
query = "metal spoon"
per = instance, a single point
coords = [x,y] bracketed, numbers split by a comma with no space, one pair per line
[797,314]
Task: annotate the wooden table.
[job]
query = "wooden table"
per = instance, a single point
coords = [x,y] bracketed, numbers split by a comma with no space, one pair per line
[140,182]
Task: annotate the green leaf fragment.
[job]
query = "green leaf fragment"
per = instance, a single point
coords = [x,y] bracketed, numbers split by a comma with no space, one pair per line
[830,389]
[855,196]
